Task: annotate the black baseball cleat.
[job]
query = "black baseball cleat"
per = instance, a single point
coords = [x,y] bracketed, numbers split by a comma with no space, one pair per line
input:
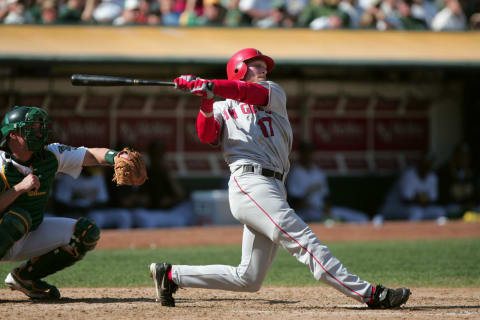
[386,298]
[35,289]
[163,285]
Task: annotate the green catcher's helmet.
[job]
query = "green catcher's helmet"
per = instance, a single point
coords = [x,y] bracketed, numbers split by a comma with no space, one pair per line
[32,124]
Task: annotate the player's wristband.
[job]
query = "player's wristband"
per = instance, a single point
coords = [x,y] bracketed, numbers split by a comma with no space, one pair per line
[207,106]
[110,156]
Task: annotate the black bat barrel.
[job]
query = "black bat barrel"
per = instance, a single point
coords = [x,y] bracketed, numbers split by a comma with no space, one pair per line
[109,81]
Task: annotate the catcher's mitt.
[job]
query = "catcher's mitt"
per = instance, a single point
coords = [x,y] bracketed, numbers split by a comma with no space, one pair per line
[129,171]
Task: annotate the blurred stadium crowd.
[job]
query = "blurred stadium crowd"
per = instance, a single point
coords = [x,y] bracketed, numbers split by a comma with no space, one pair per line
[437,15]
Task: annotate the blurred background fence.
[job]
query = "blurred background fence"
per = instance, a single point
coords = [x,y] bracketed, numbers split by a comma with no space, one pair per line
[371,102]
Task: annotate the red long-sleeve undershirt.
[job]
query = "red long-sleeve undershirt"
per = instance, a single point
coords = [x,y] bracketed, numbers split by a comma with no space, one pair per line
[208,129]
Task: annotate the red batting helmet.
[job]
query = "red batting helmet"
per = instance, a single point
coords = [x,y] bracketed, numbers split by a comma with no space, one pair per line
[236,67]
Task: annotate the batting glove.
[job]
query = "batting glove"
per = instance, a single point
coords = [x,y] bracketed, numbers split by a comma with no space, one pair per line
[184,82]
[202,88]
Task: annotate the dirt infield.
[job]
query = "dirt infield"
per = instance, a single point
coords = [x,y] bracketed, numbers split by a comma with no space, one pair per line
[269,303]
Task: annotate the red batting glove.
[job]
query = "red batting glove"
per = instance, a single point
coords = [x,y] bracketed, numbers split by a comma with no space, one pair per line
[202,88]
[184,82]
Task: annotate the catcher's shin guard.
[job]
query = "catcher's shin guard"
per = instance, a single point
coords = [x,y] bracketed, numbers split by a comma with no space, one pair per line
[386,298]
[164,286]
[13,226]
[85,237]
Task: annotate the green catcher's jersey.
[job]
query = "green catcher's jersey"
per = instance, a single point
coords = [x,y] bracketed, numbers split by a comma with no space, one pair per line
[44,164]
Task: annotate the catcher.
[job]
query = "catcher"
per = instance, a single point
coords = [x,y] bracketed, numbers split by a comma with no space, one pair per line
[29,165]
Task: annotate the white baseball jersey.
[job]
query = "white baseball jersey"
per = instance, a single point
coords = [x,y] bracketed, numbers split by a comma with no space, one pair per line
[70,159]
[261,135]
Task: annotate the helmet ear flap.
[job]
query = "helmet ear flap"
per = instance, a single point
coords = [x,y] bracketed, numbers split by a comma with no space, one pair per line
[241,70]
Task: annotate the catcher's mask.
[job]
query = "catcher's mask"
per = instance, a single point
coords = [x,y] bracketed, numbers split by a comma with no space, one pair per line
[237,68]
[31,123]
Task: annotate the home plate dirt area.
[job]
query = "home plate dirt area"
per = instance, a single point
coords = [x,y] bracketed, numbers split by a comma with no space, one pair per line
[316,302]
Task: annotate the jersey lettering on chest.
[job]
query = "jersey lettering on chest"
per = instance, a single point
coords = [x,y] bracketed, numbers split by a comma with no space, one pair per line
[244,109]
[265,123]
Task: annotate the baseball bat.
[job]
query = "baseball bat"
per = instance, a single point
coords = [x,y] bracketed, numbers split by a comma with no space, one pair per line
[109,81]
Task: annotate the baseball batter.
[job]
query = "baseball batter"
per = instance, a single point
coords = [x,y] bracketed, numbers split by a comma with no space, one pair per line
[253,128]
[28,168]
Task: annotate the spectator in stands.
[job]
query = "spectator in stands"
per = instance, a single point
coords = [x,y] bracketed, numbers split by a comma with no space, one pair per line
[3,9]
[234,17]
[49,14]
[323,14]
[144,12]
[153,15]
[71,12]
[167,204]
[107,11]
[295,7]
[379,16]
[450,18]
[213,14]
[414,196]
[130,13]
[277,17]
[33,12]
[76,12]
[88,196]
[425,10]
[475,21]
[408,21]
[255,9]
[474,15]
[88,9]
[13,12]
[170,16]
[458,183]
[353,10]
[308,191]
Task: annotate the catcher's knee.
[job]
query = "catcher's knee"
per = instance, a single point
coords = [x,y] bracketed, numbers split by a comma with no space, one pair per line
[85,236]
[14,225]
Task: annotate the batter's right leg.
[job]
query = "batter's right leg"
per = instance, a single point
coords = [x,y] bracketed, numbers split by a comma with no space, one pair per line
[258,253]
[263,206]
